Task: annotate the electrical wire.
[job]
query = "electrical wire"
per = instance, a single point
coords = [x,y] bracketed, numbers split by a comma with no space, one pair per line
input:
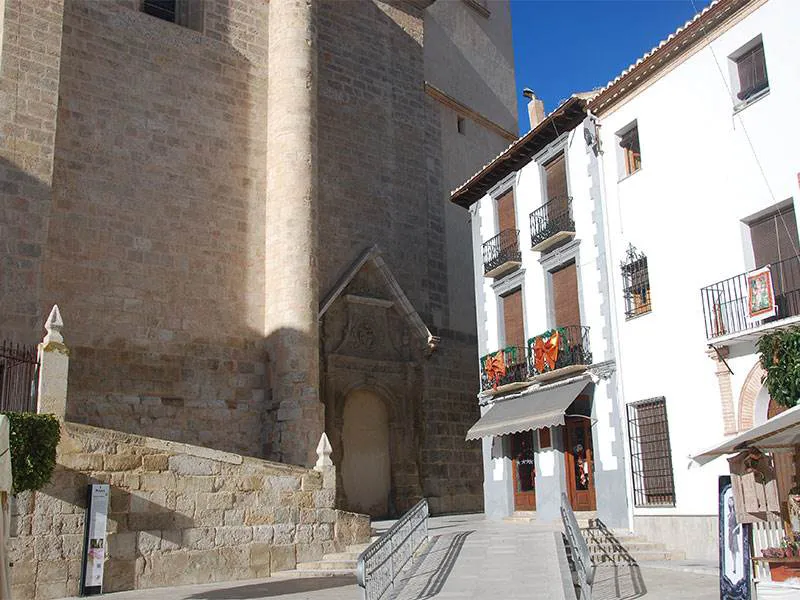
[738,115]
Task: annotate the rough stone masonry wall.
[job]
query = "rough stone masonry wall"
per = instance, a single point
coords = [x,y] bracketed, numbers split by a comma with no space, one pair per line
[156,240]
[178,514]
[380,158]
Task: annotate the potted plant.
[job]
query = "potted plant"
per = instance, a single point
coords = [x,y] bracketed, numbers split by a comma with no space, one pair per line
[783,560]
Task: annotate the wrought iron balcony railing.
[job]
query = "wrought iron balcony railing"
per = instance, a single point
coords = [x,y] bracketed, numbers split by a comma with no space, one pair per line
[558,348]
[509,365]
[501,250]
[552,222]
[725,309]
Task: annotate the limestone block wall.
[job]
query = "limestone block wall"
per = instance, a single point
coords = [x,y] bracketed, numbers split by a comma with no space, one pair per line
[30,42]
[178,514]
[156,239]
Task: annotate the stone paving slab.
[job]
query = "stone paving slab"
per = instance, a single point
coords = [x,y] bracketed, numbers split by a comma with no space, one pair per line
[469,558]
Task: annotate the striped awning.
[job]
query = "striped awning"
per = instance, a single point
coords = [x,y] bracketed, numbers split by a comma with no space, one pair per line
[537,408]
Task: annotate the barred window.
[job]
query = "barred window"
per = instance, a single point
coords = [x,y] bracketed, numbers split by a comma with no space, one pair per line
[651,453]
[636,283]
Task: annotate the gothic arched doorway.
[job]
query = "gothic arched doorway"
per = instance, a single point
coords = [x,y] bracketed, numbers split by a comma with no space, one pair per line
[366,468]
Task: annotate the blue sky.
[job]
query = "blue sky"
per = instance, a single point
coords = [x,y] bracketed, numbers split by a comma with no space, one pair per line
[567,46]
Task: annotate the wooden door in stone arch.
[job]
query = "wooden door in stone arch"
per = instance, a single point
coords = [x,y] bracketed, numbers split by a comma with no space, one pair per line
[366,466]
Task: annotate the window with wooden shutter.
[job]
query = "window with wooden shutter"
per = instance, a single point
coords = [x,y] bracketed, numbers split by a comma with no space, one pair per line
[751,67]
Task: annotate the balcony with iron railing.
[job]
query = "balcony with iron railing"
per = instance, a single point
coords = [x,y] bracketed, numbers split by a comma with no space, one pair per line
[504,370]
[725,304]
[501,254]
[559,352]
[552,223]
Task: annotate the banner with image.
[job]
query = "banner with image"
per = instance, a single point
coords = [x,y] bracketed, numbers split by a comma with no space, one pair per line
[760,295]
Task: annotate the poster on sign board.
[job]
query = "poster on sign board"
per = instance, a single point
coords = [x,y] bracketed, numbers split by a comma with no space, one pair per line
[734,547]
[95,540]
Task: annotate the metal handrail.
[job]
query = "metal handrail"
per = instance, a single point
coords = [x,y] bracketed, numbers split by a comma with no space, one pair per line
[381,563]
[725,302]
[581,557]
[551,218]
[502,248]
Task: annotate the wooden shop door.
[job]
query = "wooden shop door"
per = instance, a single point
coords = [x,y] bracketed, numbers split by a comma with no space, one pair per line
[524,470]
[579,458]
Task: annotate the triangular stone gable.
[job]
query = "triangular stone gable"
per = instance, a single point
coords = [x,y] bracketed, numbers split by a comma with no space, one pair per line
[370,272]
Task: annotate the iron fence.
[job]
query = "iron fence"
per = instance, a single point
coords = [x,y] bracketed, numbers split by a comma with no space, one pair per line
[725,308]
[551,218]
[381,563]
[19,372]
[558,348]
[502,248]
[505,366]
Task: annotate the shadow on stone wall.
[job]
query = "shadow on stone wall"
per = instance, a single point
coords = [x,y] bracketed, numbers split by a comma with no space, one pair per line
[155,249]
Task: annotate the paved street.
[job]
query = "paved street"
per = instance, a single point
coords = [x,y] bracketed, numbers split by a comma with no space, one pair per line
[470,559]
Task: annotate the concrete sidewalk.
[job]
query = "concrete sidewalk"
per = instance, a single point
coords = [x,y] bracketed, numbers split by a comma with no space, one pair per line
[469,558]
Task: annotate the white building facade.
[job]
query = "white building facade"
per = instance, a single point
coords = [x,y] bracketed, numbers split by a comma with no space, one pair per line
[551,423]
[683,178]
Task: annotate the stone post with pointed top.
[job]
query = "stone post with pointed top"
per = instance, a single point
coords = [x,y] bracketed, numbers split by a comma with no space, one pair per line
[53,368]
[325,464]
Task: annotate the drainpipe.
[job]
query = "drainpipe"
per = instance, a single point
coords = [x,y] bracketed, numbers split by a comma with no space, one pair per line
[614,322]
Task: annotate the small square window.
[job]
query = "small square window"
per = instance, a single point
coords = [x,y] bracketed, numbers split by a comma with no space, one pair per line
[749,72]
[630,152]
[462,125]
[186,13]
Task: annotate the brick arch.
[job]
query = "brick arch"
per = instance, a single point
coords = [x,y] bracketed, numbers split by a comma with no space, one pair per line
[747,398]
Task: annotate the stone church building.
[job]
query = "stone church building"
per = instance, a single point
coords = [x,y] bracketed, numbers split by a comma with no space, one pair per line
[241,209]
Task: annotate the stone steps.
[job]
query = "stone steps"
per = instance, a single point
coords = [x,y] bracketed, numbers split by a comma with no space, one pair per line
[335,563]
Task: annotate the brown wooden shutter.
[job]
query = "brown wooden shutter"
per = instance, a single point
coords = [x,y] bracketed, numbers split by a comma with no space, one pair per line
[556,178]
[774,237]
[505,211]
[513,320]
[565,296]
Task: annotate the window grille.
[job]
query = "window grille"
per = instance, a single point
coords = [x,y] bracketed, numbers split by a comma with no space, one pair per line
[651,453]
[636,283]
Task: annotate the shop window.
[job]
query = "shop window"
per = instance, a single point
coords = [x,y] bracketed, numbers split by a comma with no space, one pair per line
[651,453]
[635,283]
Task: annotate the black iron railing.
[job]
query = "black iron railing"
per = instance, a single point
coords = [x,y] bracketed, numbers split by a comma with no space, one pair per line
[502,248]
[725,309]
[19,372]
[509,365]
[558,348]
[551,218]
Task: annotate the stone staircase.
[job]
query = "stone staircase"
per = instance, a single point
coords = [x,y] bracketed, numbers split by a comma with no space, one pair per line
[336,563]
[615,546]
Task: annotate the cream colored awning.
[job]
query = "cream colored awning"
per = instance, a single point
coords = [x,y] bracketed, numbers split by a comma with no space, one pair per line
[781,432]
[537,408]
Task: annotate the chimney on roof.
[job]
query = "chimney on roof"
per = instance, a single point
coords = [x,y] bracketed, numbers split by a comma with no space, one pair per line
[535,107]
